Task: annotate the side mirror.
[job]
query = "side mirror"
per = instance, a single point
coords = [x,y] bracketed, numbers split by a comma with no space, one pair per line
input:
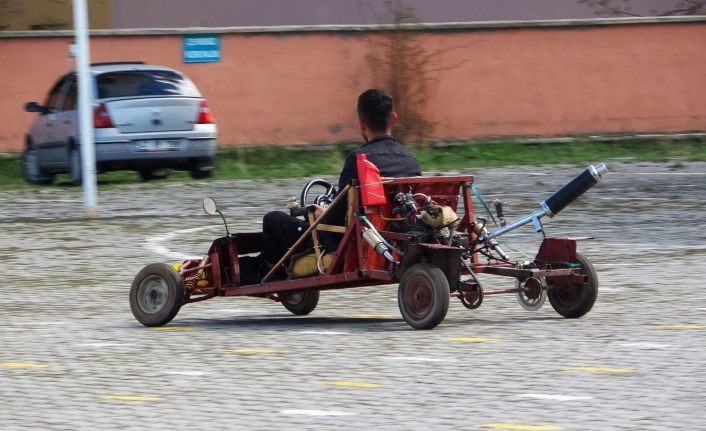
[209,205]
[35,107]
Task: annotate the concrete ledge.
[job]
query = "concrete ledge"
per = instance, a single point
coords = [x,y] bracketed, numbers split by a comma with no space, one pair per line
[444,26]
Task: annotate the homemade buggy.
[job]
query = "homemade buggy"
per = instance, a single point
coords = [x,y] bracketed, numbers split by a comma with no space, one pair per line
[420,232]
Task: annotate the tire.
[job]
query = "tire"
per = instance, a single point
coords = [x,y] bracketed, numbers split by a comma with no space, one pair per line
[156,295]
[31,171]
[301,303]
[573,300]
[423,296]
[76,169]
[153,174]
[202,169]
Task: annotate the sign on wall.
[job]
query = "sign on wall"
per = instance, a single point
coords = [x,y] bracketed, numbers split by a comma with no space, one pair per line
[201,48]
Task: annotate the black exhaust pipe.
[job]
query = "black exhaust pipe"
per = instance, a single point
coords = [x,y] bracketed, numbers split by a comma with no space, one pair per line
[556,202]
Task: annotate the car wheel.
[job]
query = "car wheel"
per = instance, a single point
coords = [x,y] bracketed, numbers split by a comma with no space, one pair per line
[153,174]
[76,169]
[31,170]
[202,169]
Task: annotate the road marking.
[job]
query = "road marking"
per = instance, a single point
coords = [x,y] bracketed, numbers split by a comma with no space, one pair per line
[101,345]
[154,243]
[253,350]
[555,397]
[354,384]
[600,370]
[679,326]
[521,427]
[131,398]
[297,412]
[472,339]
[23,365]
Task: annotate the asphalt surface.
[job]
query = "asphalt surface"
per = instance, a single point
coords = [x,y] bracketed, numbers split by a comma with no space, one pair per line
[72,357]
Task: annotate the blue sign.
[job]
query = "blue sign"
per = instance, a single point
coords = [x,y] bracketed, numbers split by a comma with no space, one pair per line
[202,48]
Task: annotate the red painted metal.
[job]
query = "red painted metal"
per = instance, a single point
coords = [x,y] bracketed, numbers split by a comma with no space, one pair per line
[356,264]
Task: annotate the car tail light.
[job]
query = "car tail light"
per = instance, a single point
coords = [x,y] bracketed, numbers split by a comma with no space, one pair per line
[205,114]
[101,118]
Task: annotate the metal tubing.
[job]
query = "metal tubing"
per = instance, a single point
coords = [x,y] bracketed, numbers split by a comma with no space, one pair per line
[557,202]
[303,236]
[514,225]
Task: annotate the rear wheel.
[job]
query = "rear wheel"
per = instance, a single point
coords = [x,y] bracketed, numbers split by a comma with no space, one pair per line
[31,170]
[574,299]
[423,296]
[156,295]
[153,174]
[76,170]
[301,303]
[201,169]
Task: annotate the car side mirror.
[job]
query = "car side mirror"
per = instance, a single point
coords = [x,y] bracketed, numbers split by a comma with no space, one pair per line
[209,205]
[36,107]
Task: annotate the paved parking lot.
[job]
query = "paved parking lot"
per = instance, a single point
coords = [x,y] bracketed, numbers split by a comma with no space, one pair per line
[72,357]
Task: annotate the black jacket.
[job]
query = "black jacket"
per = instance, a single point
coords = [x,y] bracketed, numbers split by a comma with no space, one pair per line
[393,160]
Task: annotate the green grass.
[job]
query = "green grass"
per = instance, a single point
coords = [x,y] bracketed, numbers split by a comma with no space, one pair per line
[280,162]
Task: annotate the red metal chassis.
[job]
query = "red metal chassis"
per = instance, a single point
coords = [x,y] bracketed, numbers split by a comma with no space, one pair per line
[357,264]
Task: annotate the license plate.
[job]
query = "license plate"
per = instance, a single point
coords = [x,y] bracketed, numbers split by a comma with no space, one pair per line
[158,145]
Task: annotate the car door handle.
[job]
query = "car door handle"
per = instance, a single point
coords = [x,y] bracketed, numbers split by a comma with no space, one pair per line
[67,121]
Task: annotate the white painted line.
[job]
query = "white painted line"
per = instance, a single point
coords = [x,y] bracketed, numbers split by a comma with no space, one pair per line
[154,243]
[102,345]
[555,397]
[298,412]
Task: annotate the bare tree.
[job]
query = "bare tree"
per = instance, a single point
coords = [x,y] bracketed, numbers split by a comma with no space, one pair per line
[404,66]
[625,7]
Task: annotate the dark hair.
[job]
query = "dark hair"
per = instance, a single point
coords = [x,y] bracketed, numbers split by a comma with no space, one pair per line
[375,109]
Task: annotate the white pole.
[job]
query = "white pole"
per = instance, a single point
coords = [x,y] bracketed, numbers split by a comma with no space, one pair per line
[85,108]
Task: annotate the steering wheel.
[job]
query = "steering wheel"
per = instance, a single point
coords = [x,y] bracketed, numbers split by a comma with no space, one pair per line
[323,199]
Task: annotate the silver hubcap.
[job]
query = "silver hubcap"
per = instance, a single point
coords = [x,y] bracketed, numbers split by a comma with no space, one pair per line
[152,294]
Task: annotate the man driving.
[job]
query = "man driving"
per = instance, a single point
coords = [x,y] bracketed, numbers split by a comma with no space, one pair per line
[376,118]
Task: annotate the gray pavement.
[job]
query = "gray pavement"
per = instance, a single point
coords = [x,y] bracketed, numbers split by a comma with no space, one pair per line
[72,357]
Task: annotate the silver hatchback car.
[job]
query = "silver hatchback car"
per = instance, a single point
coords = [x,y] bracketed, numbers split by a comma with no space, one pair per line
[146,118]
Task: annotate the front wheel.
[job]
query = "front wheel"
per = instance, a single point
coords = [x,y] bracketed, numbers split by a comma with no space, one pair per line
[423,296]
[31,170]
[301,303]
[572,299]
[156,295]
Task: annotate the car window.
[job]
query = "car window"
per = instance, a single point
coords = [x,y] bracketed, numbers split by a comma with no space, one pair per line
[70,98]
[144,83]
[52,101]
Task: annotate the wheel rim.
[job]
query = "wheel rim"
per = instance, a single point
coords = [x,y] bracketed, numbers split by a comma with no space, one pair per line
[294,298]
[418,297]
[152,294]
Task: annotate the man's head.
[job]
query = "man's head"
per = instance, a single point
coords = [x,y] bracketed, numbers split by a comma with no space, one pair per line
[375,113]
